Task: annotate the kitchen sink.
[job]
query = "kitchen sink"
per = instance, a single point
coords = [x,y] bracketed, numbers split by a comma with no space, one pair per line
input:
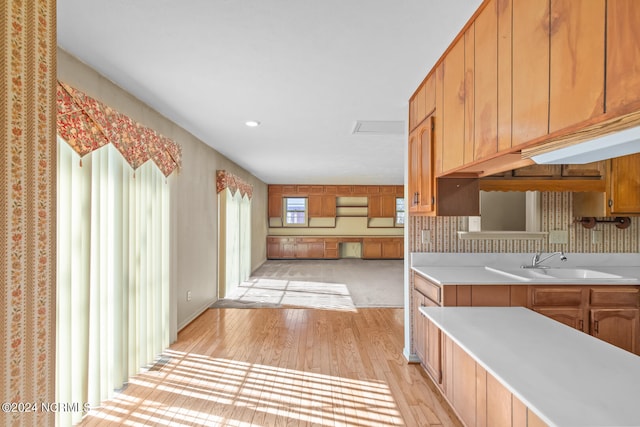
[528,274]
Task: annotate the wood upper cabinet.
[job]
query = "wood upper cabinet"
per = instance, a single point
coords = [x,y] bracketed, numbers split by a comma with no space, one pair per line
[322,205]
[622,196]
[421,177]
[576,85]
[623,55]
[625,185]
[453,107]
[504,16]
[275,201]
[530,72]
[486,82]
[382,206]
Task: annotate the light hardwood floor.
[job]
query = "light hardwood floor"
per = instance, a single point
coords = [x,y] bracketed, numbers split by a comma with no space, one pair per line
[283,367]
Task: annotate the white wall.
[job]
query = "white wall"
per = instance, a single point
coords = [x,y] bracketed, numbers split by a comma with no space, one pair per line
[194,205]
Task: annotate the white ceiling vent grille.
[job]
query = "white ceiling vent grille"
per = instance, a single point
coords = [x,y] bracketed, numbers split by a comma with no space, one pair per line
[378,127]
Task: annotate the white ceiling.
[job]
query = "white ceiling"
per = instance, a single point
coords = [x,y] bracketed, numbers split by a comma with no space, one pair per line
[306,69]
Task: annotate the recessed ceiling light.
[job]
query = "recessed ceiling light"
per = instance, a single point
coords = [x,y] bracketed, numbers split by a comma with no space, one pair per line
[252,123]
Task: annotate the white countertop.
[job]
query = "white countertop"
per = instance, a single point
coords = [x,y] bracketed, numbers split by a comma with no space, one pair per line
[566,377]
[494,268]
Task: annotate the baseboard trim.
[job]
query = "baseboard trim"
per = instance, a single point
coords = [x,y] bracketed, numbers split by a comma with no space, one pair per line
[411,357]
[194,316]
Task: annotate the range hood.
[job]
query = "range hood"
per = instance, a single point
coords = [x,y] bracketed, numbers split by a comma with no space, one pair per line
[620,143]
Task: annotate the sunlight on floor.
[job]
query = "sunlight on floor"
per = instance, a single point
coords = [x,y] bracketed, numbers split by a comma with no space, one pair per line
[292,293]
[198,390]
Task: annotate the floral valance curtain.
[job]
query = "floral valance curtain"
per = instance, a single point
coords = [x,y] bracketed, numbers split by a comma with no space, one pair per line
[233,183]
[87,124]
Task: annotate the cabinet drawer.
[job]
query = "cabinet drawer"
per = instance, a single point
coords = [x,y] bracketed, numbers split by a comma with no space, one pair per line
[618,297]
[560,296]
[428,289]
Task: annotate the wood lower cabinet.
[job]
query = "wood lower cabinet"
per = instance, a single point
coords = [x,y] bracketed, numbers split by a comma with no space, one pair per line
[382,248]
[476,396]
[574,317]
[290,247]
[617,326]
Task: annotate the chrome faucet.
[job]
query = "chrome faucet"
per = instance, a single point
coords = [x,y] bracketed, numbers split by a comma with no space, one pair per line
[536,261]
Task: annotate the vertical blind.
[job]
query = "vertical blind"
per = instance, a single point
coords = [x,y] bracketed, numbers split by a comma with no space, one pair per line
[236,253]
[113,273]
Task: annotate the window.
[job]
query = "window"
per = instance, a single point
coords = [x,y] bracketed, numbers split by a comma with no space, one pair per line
[295,209]
[400,211]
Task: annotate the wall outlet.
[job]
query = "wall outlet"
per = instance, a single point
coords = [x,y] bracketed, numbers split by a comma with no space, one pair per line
[559,237]
[188,295]
[426,236]
[596,237]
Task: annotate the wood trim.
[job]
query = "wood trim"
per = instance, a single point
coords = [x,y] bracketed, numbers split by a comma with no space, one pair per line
[542,184]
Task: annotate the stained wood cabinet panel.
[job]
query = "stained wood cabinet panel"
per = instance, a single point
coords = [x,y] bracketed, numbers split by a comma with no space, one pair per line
[574,317]
[438,122]
[576,86]
[594,170]
[371,249]
[464,385]
[383,248]
[275,205]
[331,250]
[625,185]
[453,108]
[419,327]
[530,72]
[504,9]
[486,82]
[617,326]
[322,205]
[623,55]
[433,349]
[382,206]
[273,248]
[499,403]
[469,94]
[421,177]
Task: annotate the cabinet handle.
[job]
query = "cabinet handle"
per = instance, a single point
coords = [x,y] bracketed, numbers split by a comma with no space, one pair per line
[581,324]
[416,197]
[595,326]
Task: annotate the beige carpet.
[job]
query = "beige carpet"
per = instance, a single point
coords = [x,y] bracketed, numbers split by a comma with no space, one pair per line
[330,284]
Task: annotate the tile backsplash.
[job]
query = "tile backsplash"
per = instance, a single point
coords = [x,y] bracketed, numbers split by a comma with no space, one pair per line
[556,215]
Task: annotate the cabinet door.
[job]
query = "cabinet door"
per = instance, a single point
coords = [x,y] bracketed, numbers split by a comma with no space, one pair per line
[577,62]
[594,170]
[530,72]
[504,73]
[322,206]
[414,170]
[486,82]
[329,205]
[275,205]
[617,326]
[382,206]
[288,248]
[623,54]
[453,108]
[331,248]
[574,317]
[625,185]
[371,248]
[392,248]
[314,206]
[425,175]
[273,248]
[419,332]
[433,348]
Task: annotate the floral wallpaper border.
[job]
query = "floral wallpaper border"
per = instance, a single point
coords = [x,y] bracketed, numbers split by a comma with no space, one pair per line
[27,208]
[226,179]
[87,124]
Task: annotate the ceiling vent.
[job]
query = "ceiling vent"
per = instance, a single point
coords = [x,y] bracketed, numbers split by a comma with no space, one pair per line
[379,127]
